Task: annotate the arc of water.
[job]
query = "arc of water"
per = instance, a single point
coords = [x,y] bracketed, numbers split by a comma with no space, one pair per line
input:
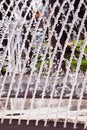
[85,125]
[65,77]
[14,30]
[52,61]
[74,82]
[54,51]
[2,2]
[13,74]
[40,73]
[15,7]
[24,65]
[3,20]
[7,69]
[36,59]
[20,78]
[80,99]
[11,39]
[69,67]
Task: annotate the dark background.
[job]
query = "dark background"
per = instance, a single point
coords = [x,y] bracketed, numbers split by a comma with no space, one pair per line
[31,126]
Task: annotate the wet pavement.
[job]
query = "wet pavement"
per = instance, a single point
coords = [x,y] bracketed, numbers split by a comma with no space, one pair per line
[18,86]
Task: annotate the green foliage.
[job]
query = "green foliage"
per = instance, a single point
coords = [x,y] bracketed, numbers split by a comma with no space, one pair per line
[83,65]
[3,70]
[39,62]
[46,65]
[86,49]
[79,45]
